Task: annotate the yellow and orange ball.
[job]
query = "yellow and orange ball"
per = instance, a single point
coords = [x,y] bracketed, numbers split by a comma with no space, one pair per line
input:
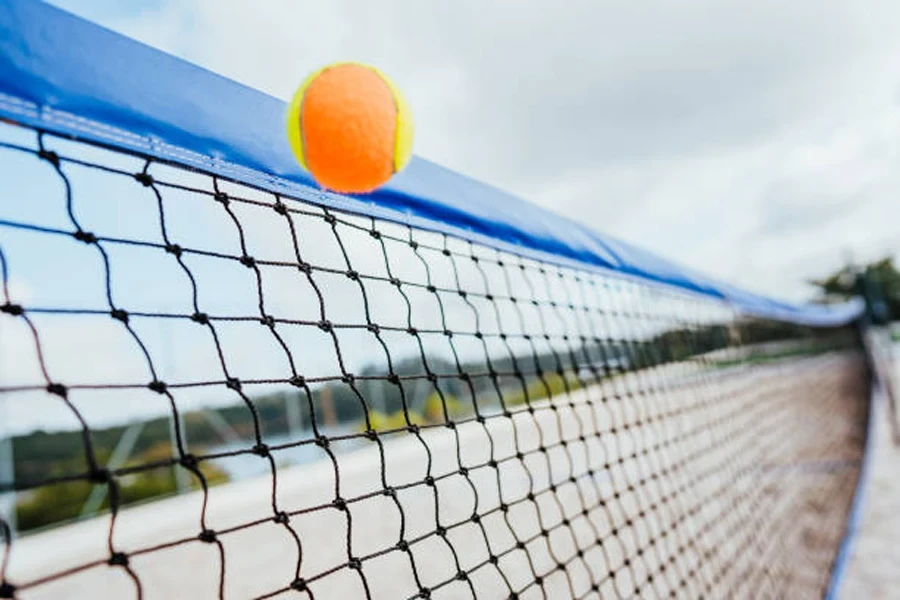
[350,127]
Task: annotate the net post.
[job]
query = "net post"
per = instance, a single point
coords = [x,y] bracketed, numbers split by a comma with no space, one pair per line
[878,352]
[292,414]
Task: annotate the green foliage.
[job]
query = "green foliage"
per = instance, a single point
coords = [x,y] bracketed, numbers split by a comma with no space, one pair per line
[394,421]
[550,385]
[882,274]
[434,408]
[64,501]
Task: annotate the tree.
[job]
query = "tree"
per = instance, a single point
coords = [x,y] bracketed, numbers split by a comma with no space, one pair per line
[882,273]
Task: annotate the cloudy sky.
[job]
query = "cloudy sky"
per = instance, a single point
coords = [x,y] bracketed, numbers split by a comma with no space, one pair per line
[758,142]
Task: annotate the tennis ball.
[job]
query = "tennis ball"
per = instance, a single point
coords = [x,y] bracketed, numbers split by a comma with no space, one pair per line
[350,127]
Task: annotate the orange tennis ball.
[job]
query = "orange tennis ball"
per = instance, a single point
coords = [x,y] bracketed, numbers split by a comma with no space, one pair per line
[350,127]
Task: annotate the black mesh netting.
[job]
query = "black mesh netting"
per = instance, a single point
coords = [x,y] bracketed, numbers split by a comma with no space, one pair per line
[211,391]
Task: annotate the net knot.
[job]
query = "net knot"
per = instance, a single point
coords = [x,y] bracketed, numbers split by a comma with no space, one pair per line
[394,281]
[297,381]
[403,545]
[322,441]
[413,244]
[233,383]
[431,288]
[158,386]
[340,504]
[424,593]
[448,333]
[324,325]
[393,378]
[305,268]
[445,252]
[85,236]
[462,576]
[371,435]
[462,294]
[145,179]
[352,275]
[412,331]
[354,563]
[479,335]
[372,327]
[475,518]
[15,310]
[474,259]
[174,249]
[200,317]
[464,471]
[119,314]
[100,476]
[489,297]
[429,481]
[464,376]
[207,536]
[450,425]
[248,261]
[413,428]
[298,585]
[441,531]
[492,463]
[282,518]
[188,461]
[50,156]
[330,218]
[390,492]
[432,377]
[504,508]
[118,559]
[261,450]
[58,389]
[267,320]
[7,590]
[348,378]
[280,208]
[520,545]
[221,197]
[375,234]
[493,559]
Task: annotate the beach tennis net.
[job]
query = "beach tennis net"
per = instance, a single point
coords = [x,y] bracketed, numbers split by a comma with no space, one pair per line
[210,390]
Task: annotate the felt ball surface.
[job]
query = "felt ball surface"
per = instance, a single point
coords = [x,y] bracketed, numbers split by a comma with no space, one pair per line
[350,127]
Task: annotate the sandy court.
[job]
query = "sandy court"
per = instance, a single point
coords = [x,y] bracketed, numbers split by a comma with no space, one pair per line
[701,489]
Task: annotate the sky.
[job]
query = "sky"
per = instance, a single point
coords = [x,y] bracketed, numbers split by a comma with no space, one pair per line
[754,142]
[760,145]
